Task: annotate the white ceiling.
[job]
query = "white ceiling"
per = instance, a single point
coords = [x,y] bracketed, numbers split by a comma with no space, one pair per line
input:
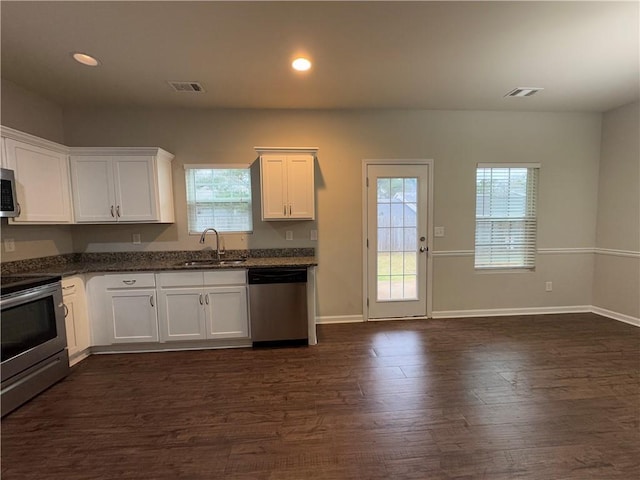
[433,55]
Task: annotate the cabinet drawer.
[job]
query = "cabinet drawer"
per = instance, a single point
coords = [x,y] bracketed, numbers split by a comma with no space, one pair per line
[72,285]
[226,277]
[179,279]
[69,286]
[133,280]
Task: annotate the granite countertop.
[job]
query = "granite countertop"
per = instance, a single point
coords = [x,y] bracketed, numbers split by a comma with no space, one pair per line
[74,264]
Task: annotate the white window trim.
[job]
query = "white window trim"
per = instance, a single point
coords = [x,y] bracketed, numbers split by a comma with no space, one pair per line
[502,268]
[217,166]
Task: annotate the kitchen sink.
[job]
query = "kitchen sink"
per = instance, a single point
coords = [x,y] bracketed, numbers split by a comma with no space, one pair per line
[232,262]
[210,263]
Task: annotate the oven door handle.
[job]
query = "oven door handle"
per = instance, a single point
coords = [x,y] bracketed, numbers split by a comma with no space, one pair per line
[31,295]
[66,309]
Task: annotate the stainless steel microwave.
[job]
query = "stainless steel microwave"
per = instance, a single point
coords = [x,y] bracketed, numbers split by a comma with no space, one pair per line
[10,206]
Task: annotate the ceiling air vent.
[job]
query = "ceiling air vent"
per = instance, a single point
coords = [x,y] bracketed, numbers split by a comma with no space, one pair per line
[191,87]
[523,92]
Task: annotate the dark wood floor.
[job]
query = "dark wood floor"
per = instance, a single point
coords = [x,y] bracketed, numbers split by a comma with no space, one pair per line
[542,397]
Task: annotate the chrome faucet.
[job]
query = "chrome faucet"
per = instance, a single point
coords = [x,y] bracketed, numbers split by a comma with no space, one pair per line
[218,250]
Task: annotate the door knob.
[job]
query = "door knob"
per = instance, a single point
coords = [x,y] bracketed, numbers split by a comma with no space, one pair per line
[423,249]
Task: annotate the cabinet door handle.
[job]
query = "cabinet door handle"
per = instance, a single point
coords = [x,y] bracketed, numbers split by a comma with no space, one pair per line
[151,300]
[118,211]
[112,214]
[289,209]
[284,211]
[128,282]
[201,303]
[206,299]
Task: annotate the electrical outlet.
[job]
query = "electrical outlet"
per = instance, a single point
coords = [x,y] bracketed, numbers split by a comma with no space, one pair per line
[289,235]
[313,235]
[135,238]
[9,245]
[438,231]
[548,286]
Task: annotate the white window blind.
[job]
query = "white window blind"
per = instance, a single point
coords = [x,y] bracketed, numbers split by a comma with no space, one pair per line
[506,221]
[218,197]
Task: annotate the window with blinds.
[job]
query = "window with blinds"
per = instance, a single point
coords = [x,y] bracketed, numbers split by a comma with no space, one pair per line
[218,197]
[506,221]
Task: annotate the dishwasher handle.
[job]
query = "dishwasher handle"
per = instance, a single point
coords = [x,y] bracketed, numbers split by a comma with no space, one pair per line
[262,276]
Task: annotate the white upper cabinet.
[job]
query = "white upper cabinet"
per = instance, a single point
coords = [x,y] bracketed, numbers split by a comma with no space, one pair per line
[122,185]
[3,154]
[287,183]
[42,178]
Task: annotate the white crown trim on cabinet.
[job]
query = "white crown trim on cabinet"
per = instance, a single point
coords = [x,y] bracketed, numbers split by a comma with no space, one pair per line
[9,132]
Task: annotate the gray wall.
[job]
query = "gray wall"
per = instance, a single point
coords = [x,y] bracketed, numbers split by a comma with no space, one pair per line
[567,146]
[571,221]
[22,110]
[617,264]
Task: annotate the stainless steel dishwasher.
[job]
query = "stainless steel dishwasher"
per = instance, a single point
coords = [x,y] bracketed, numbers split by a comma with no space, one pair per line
[278,306]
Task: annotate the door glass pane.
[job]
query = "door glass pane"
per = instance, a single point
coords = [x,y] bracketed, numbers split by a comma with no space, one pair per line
[397,239]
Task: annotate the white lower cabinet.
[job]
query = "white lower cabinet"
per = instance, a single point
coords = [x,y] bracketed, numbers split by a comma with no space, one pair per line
[202,305]
[181,314]
[76,318]
[123,308]
[226,312]
[133,315]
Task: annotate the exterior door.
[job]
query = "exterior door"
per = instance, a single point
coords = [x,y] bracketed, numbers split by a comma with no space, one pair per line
[397,223]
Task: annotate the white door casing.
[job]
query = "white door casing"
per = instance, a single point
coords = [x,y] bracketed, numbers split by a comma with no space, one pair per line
[397,234]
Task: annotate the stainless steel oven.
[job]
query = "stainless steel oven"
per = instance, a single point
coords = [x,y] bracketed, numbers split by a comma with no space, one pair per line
[34,344]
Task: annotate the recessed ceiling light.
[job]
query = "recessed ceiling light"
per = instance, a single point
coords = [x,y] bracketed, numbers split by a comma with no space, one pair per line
[85,59]
[523,91]
[301,64]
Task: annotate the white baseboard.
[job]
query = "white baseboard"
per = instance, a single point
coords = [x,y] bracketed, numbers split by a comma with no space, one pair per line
[496,312]
[502,312]
[339,319]
[621,317]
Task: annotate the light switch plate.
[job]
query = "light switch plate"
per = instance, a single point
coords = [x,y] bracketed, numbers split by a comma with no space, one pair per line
[438,231]
[288,235]
[135,238]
